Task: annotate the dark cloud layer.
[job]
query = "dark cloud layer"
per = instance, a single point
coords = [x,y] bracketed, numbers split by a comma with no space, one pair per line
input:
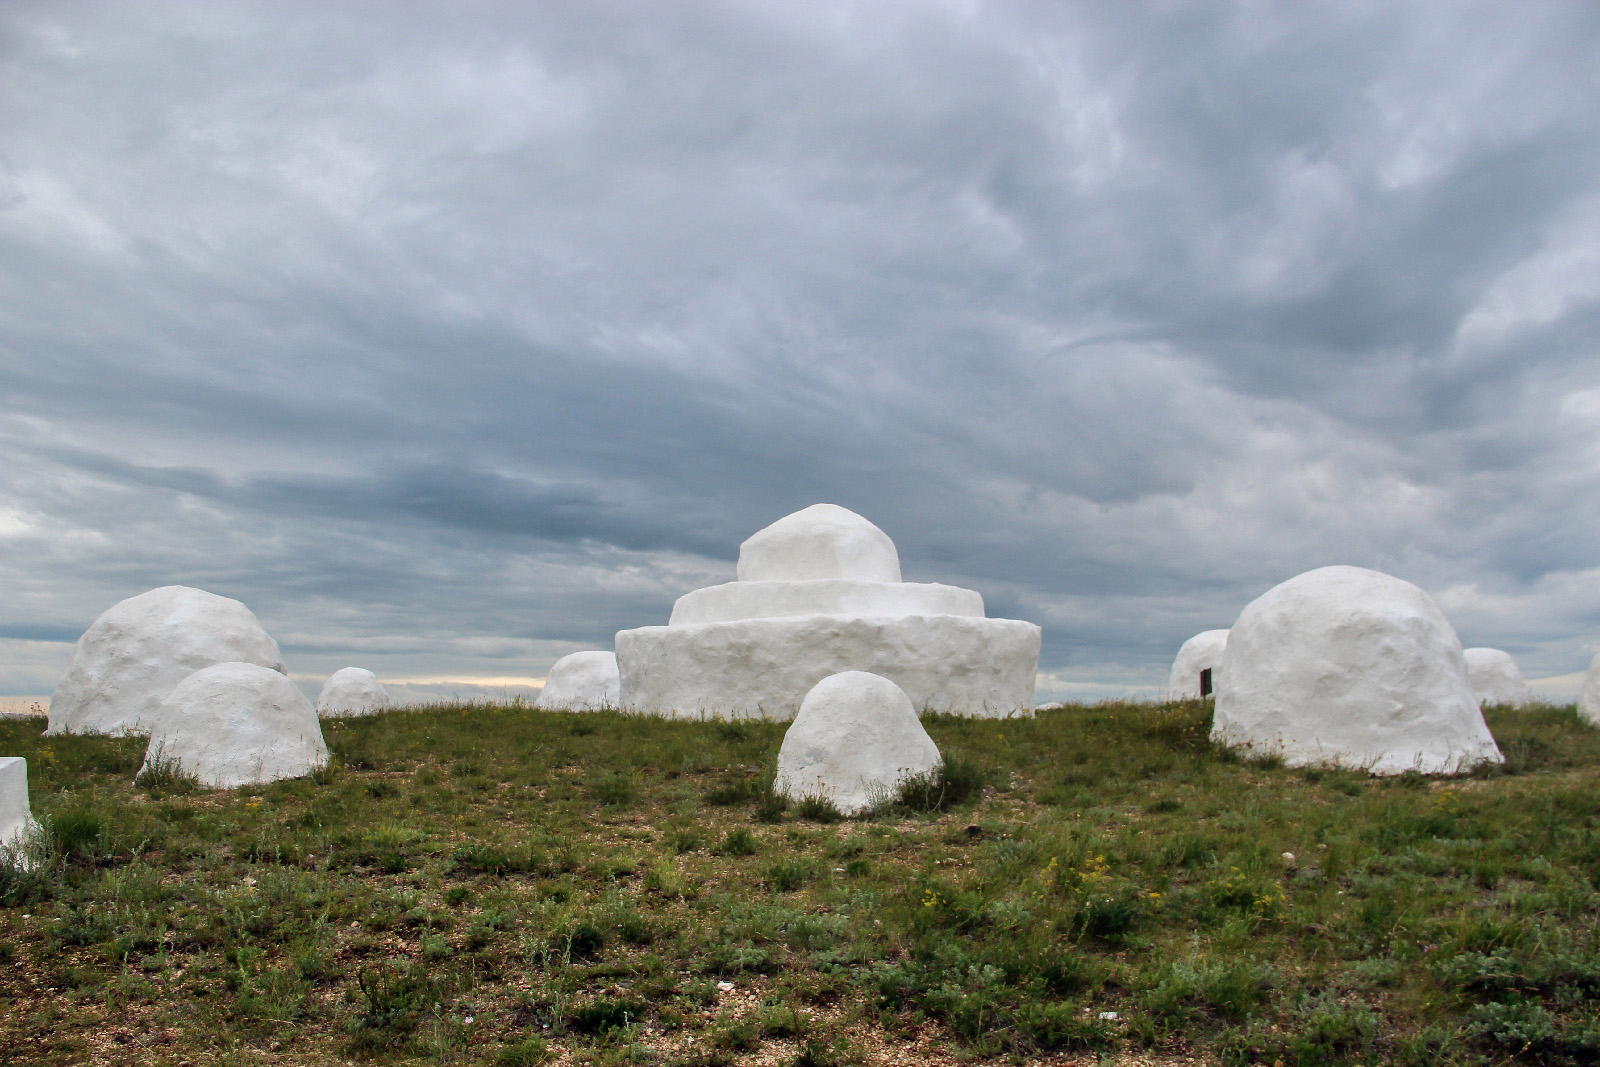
[454,338]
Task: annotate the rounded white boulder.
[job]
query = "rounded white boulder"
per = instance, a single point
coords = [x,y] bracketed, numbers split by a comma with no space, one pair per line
[1348,666]
[1495,678]
[237,724]
[1202,652]
[138,650]
[854,740]
[1589,695]
[352,691]
[821,541]
[582,681]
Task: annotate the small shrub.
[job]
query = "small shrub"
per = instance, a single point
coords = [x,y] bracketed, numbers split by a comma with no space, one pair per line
[954,782]
[740,1036]
[583,942]
[788,875]
[393,1002]
[528,1053]
[162,775]
[1330,1029]
[727,794]
[613,790]
[1110,917]
[818,808]
[607,1013]
[770,805]
[74,830]
[737,842]
[827,1052]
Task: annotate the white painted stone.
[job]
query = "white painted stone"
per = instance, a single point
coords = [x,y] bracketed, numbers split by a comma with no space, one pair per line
[582,681]
[352,691]
[1349,666]
[16,817]
[238,724]
[856,737]
[1495,678]
[138,650]
[1589,695]
[763,668]
[823,596]
[822,541]
[819,593]
[1201,652]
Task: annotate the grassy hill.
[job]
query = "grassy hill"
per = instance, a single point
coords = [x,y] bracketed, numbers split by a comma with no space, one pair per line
[475,884]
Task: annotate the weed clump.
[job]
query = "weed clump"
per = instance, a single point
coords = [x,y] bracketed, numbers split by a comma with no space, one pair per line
[954,782]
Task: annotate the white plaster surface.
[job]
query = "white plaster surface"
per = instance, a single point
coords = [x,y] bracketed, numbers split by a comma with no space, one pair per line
[734,601]
[1350,666]
[819,593]
[763,668]
[822,541]
[238,724]
[1202,651]
[1495,678]
[855,738]
[352,691]
[138,650]
[582,681]
[1589,695]
[16,818]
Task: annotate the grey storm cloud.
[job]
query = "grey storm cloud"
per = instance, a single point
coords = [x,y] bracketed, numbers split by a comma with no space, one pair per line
[453,338]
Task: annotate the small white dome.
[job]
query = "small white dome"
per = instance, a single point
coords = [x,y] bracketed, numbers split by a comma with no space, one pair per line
[1495,678]
[137,650]
[1202,652]
[582,681]
[854,740]
[238,724]
[822,541]
[1350,666]
[352,691]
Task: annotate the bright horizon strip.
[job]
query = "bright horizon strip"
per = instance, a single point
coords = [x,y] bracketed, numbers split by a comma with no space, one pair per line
[534,683]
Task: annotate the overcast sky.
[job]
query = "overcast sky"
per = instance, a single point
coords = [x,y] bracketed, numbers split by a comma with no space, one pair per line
[451,338]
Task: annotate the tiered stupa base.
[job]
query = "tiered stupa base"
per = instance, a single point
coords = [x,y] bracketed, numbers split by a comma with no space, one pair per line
[763,668]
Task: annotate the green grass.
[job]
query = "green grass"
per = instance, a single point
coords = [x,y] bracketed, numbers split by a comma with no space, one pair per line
[579,885]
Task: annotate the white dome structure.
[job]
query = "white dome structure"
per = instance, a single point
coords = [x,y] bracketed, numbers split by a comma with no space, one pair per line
[1344,665]
[819,593]
[237,724]
[582,681]
[139,649]
[1195,669]
[854,740]
[16,817]
[1496,679]
[1589,695]
[352,691]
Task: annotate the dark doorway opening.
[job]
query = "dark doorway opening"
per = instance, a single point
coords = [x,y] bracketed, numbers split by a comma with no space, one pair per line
[1205,682]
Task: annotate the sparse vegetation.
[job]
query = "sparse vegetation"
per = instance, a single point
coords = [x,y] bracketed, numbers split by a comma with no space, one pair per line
[603,889]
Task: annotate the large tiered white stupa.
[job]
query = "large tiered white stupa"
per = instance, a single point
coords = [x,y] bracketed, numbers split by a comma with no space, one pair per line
[819,593]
